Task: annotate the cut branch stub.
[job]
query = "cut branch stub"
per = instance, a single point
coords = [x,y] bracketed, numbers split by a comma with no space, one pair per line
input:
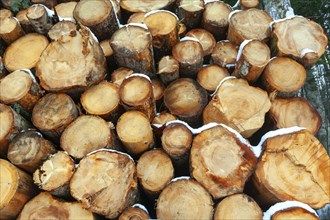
[105,182]
[294,166]
[210,76]
[221,162]
[144,5]
[190,12]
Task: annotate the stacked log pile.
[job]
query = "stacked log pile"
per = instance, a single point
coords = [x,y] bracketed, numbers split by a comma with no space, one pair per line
[188,107]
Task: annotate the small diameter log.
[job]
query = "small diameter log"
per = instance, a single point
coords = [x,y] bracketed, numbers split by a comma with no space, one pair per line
[136,93]
[163,26]
[53,113]
[134,131]
[106,48]
[25,52]
[247,4]
[182,29]
[176,142]
[98,15]
[72,62]
[285,113]
[11,124]
[154,171]
[5,13]
[55,174]
[45,206]
[48,3]
[224,54]
[10,30]
[24,21]
[251,24]
[20,87]
[158,89]
[299,38]
[132,47]
[137,17]
[40,18]
[190,12]
[238,206]
[221,161]
[102,100]
[65,9]
[294,166]
[159,122]
[251,61]
[215,18]
[210,76]
[239,106]
[28,150]
[168,69]
[184,199]
[120,74]
[283,76]
[16,189]
[105,183]
[189,54]
[186,98]
[86,134]
[206,40]
[136,211]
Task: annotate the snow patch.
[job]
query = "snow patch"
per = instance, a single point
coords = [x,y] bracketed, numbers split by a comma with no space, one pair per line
[181,178]
[232,13]
[140,206]
[140,75]
[110,150]
[221,82]
[156,11]
[241,47]
[303,52]
[189,38]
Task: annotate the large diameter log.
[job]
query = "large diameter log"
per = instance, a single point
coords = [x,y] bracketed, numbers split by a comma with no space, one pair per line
[252,59]
[136,93]
[224,54]
[221,161]
[190,12]
[154,171]
[105,182]
[137,211]
[132,47]
[11,124]
[215,18]
[53,113]
[65,9]
[98,15]
[44,206]
[186,98]
[134,131]
[299,38]
[238,206]
[184,199]
[205,38]
[210,76]
[20,87]
[28,150]
[16,189]
[55,174]
[294,166]
[168,69]
[251,24]
[86,134]
[283,76]
[25,52]
[40,18]
[10,30]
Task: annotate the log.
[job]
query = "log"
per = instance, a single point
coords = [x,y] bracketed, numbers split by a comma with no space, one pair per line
[98,15]
[238,206]
[137,17]
[24,21]
[186,99]
[11,124]
[55,174]
[28,150]
[118,76]
[20,87]
[247,4]
[283,77]
[251,24]
[65,9]
[224,54]
[163,27]
[5,13]
[252,59]
[102,100]
[215,18]
[136,211]
[105,183]
[184,199]
[85,134]
[72,62]
[16,189]
[53,113]
[159,122]
[40,18]
[168,69]
[245,115]
[210,76]
[62,30]
[158,89]
[106,48]
[190,12]
[45,206]
[132,47]
[294,166]
[25,52]
[154,171]
[48,3]
[222,161]
[10,30]
[182,29]
[299,38]
[189,54]
[136,93]
[134,131]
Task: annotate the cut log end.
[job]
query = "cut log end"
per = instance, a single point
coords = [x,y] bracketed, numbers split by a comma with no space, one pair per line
[137,17]
[224,53]
[120,74]
[247,4]
[210,76]
[134,213]
[294,213]
[92,12]
[205,38]
[143,5]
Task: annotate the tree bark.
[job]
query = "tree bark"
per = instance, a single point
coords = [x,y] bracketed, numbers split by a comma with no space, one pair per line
[40,18]
[190,12]
[224,54]
[134,212]
[210,76]
[10,30]
[168,69]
